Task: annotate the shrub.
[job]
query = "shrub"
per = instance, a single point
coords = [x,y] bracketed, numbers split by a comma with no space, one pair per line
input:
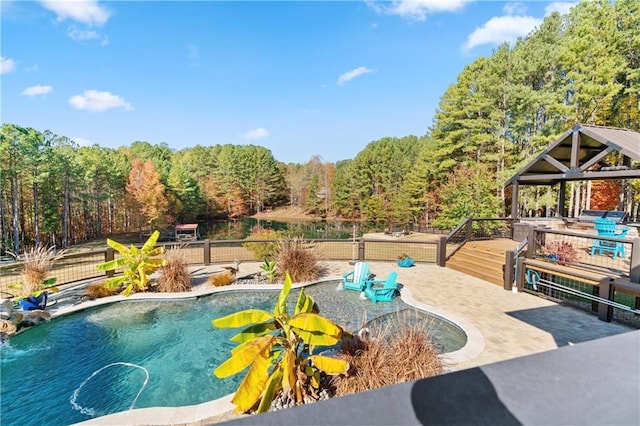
[175,276]
[263,250]
[98,290]
[296,258]
[391,358]
[562,252]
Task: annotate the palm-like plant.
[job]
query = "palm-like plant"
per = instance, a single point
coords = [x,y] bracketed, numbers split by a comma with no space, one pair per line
[278,349]
[139,262]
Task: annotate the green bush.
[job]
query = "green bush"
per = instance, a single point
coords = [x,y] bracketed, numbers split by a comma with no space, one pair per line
[266,250]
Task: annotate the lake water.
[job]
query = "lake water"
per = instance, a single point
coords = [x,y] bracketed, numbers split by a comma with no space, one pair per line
[241,228]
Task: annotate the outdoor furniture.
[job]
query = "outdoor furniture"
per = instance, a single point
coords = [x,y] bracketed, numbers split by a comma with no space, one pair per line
[382,290]
[355,280]
[608,228]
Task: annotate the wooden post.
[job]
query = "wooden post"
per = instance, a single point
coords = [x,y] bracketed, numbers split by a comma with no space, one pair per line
[109,255]
[520,273]
[514,199]
[634,267]
[207,252]
[531,242]
[509,269]
[361,250]
[606,291]
[561,198]
[469,229]
[441,255]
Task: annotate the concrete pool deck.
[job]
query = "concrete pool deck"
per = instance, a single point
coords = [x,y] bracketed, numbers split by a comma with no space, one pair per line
[509,324]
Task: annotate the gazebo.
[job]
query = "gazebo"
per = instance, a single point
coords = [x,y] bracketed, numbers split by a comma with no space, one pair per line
[573,157]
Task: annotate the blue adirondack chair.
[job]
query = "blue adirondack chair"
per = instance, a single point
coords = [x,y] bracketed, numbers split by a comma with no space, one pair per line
[382,290]
[355,280]
[607,228]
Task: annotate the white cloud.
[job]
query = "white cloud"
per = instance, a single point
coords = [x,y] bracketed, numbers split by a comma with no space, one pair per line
[94,100]
[7,65]
[350,75]
[82,141]
[79,34]
[37,90]
[514,8]
[258,133]
[500,29]
[86,11]
[558,6]
[418,9]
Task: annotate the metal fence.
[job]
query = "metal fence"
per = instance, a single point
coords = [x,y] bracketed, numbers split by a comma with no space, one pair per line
[563,266]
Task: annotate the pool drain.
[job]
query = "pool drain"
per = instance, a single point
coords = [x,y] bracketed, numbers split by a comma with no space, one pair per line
[91,411]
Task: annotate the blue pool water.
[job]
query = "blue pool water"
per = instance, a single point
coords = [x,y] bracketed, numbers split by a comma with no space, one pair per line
[95,362]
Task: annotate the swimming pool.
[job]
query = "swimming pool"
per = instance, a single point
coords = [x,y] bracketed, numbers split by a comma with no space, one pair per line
[46,368]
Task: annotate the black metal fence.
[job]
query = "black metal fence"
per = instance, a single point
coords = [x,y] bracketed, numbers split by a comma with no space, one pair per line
[563,266]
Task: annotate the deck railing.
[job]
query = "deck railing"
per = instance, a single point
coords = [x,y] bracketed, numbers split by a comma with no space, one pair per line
[596,282]
[473,229]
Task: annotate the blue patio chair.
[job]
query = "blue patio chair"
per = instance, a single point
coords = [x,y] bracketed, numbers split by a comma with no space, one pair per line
[607,228]
[355,280]
[382,290]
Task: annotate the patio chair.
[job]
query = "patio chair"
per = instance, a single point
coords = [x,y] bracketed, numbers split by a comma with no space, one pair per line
[382,290]
[607,228]
[355,280]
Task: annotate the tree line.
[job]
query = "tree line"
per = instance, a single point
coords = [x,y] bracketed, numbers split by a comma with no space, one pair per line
[581,67]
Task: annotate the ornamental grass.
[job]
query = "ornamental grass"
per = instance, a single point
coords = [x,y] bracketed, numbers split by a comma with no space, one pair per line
[299,260]
[174,276]
[37,264]
[394,356]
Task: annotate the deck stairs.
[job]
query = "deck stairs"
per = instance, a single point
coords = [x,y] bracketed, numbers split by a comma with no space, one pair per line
[483,259]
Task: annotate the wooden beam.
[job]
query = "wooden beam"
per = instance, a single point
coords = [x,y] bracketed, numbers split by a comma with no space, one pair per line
[597,158]
[555,163]
[576,175]
[575,149]
[561,198]
[514,199]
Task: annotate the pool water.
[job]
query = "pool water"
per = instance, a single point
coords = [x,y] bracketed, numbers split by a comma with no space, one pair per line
[95,362]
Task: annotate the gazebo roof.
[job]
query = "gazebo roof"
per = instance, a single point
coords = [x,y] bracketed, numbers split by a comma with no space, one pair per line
[574,154]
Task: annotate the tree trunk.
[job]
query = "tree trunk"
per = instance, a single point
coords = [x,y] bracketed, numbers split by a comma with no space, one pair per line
[16,229]
[36,218]
[65,213]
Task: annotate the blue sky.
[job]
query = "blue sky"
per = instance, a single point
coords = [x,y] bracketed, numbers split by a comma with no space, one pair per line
[301,78]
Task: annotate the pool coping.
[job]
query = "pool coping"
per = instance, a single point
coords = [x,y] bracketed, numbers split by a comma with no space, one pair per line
[198,412]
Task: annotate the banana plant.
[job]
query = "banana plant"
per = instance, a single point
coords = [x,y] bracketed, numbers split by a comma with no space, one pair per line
[278,349]
[139,263]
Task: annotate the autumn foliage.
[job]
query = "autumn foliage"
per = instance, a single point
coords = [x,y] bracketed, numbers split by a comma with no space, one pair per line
[605,194]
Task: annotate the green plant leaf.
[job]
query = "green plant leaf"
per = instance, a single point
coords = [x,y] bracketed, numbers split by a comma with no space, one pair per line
[242,318]
[112,264]
[239,360]
[115,282]
[281,306]
[151,242]
[304,304]
[255,330]
[122,249]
